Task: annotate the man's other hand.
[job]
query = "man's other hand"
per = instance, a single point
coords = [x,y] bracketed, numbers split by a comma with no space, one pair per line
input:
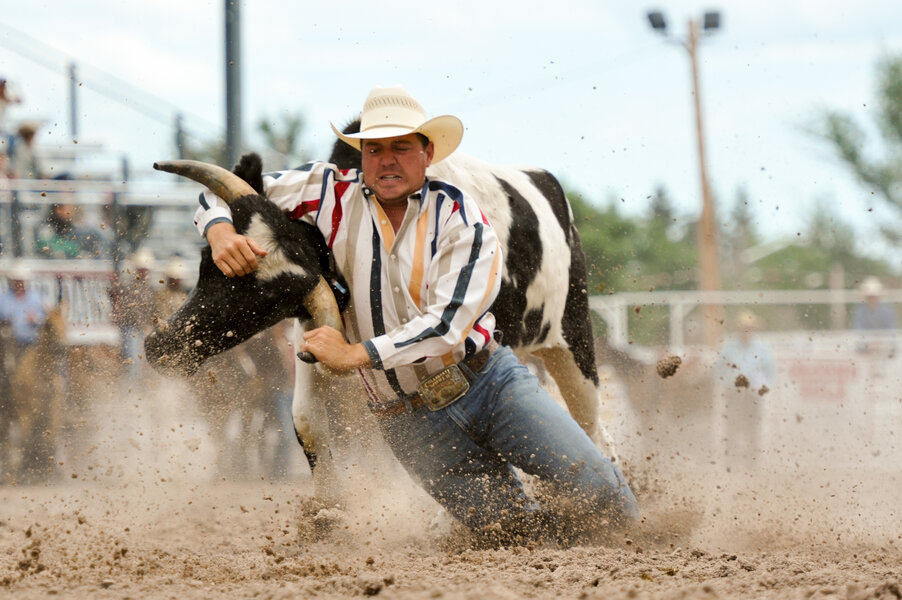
[329,346]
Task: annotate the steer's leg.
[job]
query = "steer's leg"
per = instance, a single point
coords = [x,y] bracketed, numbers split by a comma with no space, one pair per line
[312,428]
[581,395]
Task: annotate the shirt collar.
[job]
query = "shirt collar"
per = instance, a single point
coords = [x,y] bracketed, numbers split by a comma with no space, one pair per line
[418,196]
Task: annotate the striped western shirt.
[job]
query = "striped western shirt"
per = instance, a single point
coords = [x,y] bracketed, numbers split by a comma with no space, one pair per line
[420,296]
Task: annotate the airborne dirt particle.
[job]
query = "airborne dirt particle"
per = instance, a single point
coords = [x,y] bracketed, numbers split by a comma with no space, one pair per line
[668,366]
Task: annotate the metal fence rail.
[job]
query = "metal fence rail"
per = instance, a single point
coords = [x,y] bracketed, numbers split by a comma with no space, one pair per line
[679,306]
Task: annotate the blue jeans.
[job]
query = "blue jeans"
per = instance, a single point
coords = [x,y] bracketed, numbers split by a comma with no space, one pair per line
[464,456]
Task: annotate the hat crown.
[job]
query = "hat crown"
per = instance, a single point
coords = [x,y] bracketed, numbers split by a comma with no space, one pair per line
[19,273]
[871,286]
[391,107]
[390,112]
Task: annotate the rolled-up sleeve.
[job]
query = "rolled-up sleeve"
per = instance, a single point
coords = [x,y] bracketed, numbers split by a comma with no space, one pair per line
[212,209]
[296,191]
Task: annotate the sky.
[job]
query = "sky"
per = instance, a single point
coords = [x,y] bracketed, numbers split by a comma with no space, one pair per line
[583,88]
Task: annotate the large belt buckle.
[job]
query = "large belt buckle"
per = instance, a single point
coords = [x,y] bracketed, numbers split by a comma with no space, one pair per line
[444,388]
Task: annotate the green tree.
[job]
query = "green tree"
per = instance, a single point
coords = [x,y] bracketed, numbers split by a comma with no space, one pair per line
[883,174]
[607,241]
[282,147]
[634,254]
[737,234]
[285,138]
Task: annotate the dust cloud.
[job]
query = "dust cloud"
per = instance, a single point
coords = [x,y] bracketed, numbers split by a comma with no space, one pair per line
[150,500]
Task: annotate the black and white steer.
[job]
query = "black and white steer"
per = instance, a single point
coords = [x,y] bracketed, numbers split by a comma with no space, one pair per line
[222,312]
[541,310]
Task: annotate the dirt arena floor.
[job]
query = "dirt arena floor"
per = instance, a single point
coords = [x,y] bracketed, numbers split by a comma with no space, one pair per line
[142,511]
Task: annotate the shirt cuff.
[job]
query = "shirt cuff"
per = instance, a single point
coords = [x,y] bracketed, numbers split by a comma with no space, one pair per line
[214,222]
[214,214]
[375,359]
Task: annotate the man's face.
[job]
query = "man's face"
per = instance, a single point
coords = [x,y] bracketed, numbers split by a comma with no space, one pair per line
[395,167]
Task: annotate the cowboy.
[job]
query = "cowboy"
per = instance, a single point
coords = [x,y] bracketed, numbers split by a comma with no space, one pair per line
[457,408]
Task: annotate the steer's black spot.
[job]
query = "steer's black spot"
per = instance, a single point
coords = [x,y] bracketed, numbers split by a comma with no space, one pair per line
[551,190]
[523,257]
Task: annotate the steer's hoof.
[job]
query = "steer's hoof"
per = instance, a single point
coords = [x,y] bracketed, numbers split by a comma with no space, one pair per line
[317,522]
[328,521]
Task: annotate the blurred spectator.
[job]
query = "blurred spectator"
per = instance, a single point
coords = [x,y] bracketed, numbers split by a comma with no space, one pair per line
[24,163]
[22,309]
[5,166]
[4,176]
[875,317]
[8,97]
[61,235]
[21,316]
[746,370]
[55,236]
[133,308]
[172,295]
[872,313]
[278,424]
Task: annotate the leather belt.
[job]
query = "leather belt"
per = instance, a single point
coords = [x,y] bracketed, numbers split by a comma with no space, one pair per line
[475,364]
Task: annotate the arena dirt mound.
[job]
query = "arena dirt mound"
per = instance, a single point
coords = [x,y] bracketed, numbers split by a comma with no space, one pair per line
[142,510]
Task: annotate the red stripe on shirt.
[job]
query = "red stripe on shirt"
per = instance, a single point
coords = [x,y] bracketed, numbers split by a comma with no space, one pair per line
[303,208]
[340,188]
[484,332]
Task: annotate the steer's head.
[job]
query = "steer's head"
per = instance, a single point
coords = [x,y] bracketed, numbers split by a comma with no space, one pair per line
[222,312]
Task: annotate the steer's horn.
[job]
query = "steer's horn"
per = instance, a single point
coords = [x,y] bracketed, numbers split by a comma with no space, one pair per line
[221,182]
[323,309]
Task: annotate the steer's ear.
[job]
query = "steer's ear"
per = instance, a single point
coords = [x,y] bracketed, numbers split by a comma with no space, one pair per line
[250,169]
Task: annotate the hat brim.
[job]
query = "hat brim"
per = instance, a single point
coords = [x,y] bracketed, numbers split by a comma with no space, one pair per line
[445,132]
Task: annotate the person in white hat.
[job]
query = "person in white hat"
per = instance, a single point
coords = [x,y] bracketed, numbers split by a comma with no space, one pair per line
[172,294]
[873,313]
[131,296]
[24,163]
[745,377]
[21,308]
[875,319]
[424,266]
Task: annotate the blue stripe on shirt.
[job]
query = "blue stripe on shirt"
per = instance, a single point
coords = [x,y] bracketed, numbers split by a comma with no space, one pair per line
[376,306]
[276,174]
[439,199]
[460,290]
[453,193]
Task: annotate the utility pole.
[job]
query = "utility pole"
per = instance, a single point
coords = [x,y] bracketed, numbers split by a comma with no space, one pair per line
[73,101]
[708,249]
[233,81]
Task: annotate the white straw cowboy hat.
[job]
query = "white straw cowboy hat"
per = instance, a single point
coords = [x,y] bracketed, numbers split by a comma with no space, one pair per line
[175,269]
[871,287]
[748,320]
[19,273]
[142,259]
[392,112]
